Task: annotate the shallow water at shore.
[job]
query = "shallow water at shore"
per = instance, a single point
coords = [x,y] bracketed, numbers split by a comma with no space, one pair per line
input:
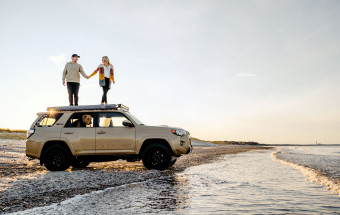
[247,183]
[320,164]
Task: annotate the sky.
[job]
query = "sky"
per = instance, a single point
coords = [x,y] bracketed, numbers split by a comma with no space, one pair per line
[243,70]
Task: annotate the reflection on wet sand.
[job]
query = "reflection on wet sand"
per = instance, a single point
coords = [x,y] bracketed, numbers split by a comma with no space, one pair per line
[154,196]
[159,195]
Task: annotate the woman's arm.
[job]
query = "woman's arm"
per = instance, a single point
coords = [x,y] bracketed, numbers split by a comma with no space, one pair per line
[112,75]
[94,72]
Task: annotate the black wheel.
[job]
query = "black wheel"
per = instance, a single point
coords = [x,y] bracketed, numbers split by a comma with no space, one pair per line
[173,162]
[57,158]
[80,163]
[157,156]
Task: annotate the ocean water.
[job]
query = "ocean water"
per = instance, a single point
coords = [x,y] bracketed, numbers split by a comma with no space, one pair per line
[320,164]
[258,182]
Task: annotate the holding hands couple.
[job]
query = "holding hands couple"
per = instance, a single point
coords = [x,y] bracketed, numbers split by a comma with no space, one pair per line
[72,73]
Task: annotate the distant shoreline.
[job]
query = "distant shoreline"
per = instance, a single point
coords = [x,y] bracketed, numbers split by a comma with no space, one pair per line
[13,134]
[12,130]
[254,143]
[300,144]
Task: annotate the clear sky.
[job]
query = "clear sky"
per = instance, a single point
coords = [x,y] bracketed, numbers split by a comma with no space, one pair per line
[265,71]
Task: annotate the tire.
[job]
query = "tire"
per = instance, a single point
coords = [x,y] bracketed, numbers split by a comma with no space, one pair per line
[157,156]
[57,158]
[173,162]
[80,163]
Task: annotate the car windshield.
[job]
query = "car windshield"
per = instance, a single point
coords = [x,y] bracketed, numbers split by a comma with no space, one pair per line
[135,119]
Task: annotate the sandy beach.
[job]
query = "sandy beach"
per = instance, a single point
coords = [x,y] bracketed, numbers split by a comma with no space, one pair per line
[26,184]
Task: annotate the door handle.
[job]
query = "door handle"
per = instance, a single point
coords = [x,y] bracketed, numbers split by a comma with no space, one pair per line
[68,132]
[101,132]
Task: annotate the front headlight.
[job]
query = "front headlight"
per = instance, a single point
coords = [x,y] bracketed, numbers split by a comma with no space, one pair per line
[179,132]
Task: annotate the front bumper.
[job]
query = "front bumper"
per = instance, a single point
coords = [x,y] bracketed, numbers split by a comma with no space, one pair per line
[189,150]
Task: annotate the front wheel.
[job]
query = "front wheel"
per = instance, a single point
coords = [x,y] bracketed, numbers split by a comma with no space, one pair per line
[157,156]
[57,158]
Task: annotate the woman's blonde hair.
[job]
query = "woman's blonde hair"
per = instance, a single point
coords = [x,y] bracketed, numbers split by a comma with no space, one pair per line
[106,60]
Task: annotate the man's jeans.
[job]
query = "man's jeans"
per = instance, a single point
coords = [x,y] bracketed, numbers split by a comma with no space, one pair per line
[73,89]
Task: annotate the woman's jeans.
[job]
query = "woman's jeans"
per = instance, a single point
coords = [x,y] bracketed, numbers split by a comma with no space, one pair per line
[105,90]
[73,90]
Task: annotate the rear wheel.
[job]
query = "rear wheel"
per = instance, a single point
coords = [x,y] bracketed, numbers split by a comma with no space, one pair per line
[157,156]
[57,158]
[80,163]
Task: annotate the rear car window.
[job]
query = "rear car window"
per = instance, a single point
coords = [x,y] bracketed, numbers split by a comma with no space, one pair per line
[48,120]
[111,119]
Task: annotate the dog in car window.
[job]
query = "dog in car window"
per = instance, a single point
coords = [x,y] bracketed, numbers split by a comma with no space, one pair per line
[84,121]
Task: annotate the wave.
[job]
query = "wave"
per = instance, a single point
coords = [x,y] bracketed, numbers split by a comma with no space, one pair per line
[312,175]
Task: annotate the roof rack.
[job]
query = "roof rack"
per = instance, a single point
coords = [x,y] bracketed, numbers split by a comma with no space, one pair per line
[89,107]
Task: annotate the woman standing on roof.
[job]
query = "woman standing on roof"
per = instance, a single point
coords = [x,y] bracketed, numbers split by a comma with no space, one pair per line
[106,75]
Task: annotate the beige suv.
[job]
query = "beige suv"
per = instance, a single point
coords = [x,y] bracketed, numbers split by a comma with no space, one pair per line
[77,135]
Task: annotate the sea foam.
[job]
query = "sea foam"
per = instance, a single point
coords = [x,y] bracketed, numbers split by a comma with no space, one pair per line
[312,175]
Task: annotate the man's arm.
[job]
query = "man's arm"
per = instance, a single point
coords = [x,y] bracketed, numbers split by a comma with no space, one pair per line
[81,70]
[64,75]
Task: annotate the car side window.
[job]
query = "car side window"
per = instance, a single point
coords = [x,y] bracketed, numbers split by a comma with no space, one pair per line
[48,120]
[80,120]
[107,120]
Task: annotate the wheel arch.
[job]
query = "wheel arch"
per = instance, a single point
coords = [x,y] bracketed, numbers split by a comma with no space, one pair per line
[51,143]
[150,141]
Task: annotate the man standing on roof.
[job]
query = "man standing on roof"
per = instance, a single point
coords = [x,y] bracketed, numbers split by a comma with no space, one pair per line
[72,73]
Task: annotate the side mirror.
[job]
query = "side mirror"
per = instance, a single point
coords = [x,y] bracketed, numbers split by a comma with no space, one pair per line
[127,123]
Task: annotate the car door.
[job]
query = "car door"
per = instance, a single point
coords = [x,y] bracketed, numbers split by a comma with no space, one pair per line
[112,137]
[82,138]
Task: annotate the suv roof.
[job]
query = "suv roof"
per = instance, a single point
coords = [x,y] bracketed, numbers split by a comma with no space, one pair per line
[89,107]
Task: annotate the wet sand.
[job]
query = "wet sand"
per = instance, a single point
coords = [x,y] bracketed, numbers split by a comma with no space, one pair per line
[26,184]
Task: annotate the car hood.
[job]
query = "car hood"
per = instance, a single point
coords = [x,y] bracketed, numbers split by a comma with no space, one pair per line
[165,126]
